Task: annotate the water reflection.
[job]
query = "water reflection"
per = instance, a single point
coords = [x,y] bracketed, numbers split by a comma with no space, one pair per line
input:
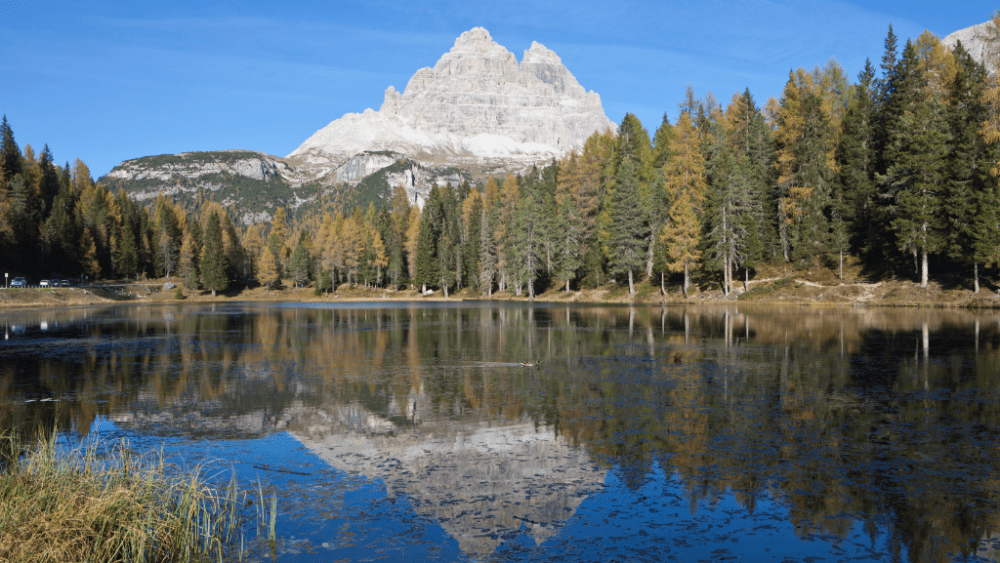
[843,424]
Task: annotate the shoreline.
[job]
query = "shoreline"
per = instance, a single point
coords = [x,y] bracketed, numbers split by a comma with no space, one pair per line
[773,291]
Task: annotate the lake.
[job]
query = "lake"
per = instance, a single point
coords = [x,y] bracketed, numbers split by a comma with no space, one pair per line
[413,431]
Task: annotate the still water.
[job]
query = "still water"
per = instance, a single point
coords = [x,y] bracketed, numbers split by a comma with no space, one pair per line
[412,432]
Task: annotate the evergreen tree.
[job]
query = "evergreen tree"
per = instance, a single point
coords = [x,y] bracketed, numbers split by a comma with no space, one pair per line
[127,262]
[10,153]
[528,236]
[626,242]
[917,148]
[298,266]
[855,190]
[426,262]
[213,257]
[49,181]
[569,241]
[968,188]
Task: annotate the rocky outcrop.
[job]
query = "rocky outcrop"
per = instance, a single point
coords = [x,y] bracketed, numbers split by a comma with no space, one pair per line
[973,40]
[253,165]
[477,107]
[253,183]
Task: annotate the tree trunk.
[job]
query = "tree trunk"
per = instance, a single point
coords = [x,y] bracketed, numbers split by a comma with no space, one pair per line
[213,293]
[685,281]
[631,284]
[649,253]
[975,276]
[746,280]
[444,287]
[423,289]
[725,275]
[567,285]
[663,289]
[923,269]
[841,265]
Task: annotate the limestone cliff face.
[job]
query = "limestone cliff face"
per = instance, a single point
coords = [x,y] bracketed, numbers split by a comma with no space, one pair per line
[477,106]
[973,40]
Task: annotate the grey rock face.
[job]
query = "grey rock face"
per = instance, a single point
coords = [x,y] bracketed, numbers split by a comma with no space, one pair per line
[973,39]
[477,105]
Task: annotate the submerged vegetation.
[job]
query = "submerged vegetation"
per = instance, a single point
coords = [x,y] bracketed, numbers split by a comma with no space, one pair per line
[109,504]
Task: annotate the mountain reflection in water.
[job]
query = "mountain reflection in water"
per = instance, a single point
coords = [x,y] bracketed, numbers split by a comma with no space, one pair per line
[677,433]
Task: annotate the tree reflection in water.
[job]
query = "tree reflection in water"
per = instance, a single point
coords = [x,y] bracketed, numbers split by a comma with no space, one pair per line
[849,422]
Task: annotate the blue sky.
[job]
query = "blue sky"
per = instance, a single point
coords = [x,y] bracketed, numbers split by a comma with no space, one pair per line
[106,81]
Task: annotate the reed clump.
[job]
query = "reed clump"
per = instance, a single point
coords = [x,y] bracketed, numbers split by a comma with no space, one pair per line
[114,506]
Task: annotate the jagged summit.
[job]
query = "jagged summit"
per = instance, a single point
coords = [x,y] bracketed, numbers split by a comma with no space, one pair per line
[477,105]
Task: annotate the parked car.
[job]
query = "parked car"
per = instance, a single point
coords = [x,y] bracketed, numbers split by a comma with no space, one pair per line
[46,283]
[19,282]
[64,283]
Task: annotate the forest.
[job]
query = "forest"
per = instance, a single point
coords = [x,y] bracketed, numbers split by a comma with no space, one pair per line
[897,170]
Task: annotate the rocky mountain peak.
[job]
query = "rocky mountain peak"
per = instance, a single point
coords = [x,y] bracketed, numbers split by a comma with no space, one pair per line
[475,108]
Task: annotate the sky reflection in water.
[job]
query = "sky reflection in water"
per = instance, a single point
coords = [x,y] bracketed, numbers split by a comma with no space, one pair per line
[412,432]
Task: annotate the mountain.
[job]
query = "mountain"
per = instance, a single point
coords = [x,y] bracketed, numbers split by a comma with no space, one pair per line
[972,38]
[476,112]
[254,184]
[477,109]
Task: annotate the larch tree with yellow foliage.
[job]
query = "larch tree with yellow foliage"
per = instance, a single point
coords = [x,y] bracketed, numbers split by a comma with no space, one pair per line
[684,174]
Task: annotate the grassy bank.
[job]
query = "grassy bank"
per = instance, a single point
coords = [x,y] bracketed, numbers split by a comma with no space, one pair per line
[86,506]
[771,283]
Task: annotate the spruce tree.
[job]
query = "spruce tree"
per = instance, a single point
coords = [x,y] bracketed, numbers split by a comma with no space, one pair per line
[426,260]
[626,240]
[917,150]
[569,243]
[968,186]
[298,266]
[213,257]
[10,154]
[49,181]
[853,199]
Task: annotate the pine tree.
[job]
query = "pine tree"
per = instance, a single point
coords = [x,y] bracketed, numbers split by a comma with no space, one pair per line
[213,257]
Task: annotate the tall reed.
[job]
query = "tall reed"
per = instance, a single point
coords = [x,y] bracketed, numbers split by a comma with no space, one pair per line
[83,506]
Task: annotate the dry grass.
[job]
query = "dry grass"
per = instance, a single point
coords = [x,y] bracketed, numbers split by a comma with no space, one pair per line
[84,507]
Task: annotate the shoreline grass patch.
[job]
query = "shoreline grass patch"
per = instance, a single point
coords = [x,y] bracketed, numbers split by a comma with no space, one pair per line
[87,505]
